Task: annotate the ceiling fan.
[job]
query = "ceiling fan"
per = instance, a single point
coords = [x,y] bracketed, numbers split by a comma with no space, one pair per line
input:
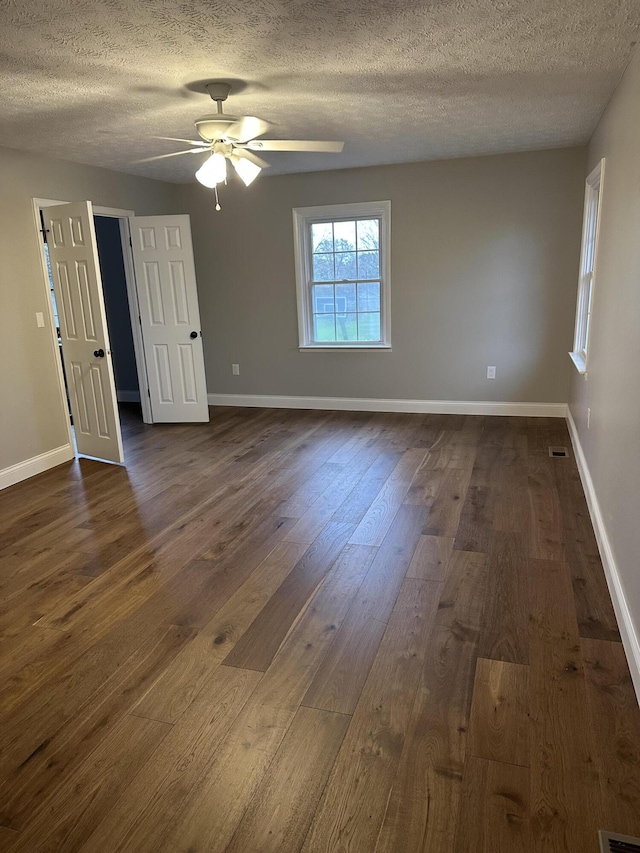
[234,138]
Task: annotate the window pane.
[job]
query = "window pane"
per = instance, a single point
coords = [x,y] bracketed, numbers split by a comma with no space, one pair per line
[344,236]
[346,298]
[346,327]
[323,268]
[322,237]
[368,234]
[368,264]
[345,265]
[369,296]
[369,327]
[324,327]
[322,297]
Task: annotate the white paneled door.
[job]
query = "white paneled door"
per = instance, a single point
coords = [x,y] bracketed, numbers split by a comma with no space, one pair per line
[170,317]
[85,341]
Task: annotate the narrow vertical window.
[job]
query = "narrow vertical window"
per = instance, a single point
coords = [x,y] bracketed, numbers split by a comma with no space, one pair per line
[586,281]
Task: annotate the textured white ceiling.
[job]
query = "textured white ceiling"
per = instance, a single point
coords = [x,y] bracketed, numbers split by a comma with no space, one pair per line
[398,80]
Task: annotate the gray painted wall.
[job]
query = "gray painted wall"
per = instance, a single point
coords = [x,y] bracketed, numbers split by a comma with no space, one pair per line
[32,417]
[484,267]
[116,302]
[612,388]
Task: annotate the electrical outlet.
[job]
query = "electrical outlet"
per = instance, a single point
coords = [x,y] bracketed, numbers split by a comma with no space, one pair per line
[235,369]
[588,418]
[491,371]
[40,319]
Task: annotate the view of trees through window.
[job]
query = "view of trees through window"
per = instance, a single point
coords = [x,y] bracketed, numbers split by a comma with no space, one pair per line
[345,286]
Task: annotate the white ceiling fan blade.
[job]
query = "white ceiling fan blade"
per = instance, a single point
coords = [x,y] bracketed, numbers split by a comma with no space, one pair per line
[253,158]
[295,145]
[178,139]
[247,127]
[173,154]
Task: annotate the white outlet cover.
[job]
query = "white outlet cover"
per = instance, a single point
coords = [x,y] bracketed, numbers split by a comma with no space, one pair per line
[491,371]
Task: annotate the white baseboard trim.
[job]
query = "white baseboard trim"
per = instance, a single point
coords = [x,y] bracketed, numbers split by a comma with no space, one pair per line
[630,639]
[128,396]
[362,404]
[36,465]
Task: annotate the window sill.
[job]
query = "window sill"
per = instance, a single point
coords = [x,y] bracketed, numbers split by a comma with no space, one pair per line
[579,362]
[342,348]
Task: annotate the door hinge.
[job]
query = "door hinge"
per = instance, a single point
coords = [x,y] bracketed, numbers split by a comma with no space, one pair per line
[139,319]
[148,393]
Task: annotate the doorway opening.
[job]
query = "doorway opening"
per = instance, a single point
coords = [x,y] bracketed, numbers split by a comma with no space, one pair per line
[160,343]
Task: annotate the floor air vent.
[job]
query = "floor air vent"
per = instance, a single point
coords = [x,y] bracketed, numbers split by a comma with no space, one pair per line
[558,451]
[613,842]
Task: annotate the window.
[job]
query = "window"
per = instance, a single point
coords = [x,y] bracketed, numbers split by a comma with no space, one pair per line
[590,228]
[342,273]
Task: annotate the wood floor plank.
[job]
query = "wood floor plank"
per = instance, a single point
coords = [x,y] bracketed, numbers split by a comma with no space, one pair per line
[378,518]
[360,499]
[565,789]
[50,741]
[238,767]
[354,801]
[615,724]
[8,838]
[193,667]
[505,628]
[511,512]
[311,523]
[422,808]
[499,726]
[475,530]
[154,799]
[258,646]
[279,815]
[338,683]
[546,539]
[496,813]
[77,806]
[446,507]
[594,610]
[431,558]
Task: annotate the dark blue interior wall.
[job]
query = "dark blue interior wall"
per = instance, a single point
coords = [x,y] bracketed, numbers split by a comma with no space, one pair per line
[116,303]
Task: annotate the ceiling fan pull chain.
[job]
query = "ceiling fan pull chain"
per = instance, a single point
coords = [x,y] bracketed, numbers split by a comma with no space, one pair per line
[215,189]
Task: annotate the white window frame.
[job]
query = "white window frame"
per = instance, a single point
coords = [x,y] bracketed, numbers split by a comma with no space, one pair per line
[588,265]
[303,218]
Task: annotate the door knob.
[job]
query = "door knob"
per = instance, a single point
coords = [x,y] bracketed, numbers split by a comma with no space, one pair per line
[193,335]
[99,353]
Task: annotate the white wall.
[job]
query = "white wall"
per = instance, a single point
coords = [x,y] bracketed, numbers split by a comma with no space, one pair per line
[484,268]
[611,388]
[32,417]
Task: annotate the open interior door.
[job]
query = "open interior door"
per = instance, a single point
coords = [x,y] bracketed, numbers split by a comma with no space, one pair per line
[170,317]
[83,327]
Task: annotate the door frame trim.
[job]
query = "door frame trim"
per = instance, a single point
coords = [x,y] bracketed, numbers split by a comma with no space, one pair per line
[132,294]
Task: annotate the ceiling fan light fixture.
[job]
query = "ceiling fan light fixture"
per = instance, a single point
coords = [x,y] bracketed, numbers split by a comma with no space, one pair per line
[213,171]
[246,170]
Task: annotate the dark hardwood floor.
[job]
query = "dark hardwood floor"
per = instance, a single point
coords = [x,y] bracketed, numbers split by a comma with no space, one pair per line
[312,631]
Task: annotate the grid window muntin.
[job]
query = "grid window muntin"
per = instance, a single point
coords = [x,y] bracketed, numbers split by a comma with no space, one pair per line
[343,311]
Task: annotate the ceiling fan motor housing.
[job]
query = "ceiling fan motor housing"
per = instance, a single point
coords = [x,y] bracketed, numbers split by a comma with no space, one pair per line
[214,127]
